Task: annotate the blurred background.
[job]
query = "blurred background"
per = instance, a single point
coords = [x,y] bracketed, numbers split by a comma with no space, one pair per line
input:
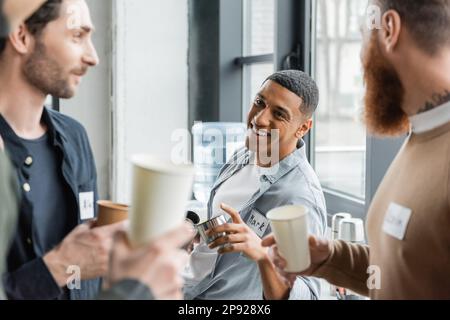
[168,65]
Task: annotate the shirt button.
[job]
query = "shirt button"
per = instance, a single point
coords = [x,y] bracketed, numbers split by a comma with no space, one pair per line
[26,187]
[29,161]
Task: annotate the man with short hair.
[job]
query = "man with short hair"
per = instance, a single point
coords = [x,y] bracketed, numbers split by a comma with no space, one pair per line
[51,155]
[406,65]
[271,171]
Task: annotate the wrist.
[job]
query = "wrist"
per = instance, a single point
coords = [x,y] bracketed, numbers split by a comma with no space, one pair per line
[264,259]
[56,267]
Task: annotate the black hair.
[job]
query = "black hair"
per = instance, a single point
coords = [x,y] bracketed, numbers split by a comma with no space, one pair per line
[302,85]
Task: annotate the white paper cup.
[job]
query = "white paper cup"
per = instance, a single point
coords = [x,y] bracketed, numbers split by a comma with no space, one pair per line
[161,191]
[290,228]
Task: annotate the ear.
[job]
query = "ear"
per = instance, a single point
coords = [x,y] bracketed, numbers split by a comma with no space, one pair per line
[390,33]
[304,129]
[21,40]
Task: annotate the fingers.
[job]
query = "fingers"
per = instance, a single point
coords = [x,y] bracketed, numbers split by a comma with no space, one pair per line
[233,248]
[232,238]
[226,228]
[235,216]
[112,228]
[181,258]
[269,241]
[277,258]
[178,237]
[121,241]
[170,282]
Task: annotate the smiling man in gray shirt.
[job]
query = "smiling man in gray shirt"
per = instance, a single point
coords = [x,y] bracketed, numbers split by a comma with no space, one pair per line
[250,187]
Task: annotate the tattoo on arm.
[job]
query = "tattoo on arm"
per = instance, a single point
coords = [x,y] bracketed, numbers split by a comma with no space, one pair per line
[437,100]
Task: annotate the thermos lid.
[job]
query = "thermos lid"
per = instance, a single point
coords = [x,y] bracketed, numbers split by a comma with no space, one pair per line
[337,218]
[352,230]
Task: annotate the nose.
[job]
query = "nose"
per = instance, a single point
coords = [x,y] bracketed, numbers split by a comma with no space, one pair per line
[91,57]
[262,119]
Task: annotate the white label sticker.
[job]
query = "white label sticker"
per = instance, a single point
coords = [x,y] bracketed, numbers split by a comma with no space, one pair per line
[86,205]
[258,223]
[396,221]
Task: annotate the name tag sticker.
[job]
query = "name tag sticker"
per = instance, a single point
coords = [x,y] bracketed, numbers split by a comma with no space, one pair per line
[258,223]
[86,205]
[396,221]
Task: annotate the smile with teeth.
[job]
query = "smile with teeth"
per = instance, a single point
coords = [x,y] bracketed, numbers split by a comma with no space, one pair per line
[261,133]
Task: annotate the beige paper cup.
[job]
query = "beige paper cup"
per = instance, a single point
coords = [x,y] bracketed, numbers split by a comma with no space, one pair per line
[290,227]
[161,191]
[111,213]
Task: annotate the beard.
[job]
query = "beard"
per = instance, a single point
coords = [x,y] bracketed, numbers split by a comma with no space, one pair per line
[384,96]
[46,74]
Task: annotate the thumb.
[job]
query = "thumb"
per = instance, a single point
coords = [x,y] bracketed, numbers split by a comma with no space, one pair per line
[313,243]
[318,244]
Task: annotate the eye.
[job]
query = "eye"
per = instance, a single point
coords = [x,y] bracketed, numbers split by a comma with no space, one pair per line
[279,114]
[77,35]
[259,102]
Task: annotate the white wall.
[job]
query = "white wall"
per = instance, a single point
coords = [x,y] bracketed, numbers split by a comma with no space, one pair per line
[150,82]
[92,104]
[134,100]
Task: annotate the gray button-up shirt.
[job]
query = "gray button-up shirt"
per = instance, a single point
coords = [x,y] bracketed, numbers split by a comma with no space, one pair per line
[293,182]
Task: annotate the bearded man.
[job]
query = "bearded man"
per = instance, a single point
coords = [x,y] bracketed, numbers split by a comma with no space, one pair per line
[406,64]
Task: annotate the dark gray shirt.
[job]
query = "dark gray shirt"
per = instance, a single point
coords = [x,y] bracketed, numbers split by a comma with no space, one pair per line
[48,194]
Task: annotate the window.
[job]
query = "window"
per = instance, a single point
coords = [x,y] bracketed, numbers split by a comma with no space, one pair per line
[340,137]
[258,47]
[320,37]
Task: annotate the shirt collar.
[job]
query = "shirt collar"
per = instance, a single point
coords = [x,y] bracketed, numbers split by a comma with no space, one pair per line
[430,120]
[279,170]
[17,151]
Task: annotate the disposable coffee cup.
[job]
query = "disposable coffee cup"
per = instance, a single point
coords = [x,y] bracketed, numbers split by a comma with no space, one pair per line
[290,228]
[209,225]
[111,213]
[161,191]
